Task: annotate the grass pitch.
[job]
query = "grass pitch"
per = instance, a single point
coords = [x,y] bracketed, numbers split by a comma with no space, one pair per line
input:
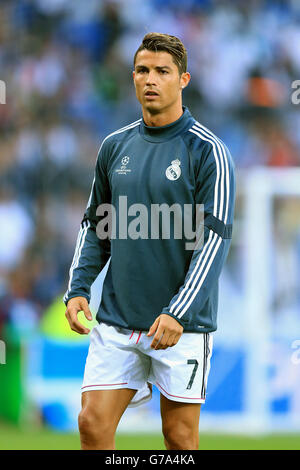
[13,438]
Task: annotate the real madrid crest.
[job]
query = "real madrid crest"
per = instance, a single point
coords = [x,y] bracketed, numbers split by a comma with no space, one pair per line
[173,171]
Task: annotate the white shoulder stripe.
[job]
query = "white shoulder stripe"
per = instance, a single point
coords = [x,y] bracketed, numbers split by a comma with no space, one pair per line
[119,131]
[225,173]
[123,129]
[216,192]
[220,156]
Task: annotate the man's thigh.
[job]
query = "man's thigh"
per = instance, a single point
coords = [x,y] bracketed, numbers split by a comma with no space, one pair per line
[106,406]
[175,413]
[180,423]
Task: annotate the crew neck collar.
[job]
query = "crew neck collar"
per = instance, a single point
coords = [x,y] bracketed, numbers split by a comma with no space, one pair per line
[167,132]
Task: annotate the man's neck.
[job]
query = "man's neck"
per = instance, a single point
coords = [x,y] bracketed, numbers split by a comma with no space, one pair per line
[162,119]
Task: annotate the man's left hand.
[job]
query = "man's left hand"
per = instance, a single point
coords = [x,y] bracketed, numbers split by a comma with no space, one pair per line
[167,332]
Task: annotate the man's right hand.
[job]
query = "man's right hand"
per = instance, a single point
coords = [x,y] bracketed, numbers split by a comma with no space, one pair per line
[75,305]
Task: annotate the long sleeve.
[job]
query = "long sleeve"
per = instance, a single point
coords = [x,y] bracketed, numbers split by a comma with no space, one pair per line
[215,189]
[91,253]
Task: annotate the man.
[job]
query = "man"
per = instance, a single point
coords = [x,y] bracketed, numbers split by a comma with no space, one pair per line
[159,299]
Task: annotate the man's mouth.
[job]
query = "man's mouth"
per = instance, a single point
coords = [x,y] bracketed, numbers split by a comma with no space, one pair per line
[151,93]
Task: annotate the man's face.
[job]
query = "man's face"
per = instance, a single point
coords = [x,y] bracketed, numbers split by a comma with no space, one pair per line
[157,81]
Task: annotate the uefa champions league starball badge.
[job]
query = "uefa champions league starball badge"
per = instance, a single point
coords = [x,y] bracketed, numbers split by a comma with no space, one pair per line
[173,171]
[124,162]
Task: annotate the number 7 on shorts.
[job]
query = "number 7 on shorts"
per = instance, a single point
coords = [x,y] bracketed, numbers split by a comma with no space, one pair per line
[192,361]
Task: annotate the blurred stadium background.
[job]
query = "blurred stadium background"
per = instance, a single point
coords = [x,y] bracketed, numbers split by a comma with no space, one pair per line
[67,69]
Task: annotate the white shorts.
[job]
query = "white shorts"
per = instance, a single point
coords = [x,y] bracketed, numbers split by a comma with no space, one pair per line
[122,358]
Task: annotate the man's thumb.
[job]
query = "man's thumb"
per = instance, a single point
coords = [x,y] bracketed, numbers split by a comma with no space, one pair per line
[87,312]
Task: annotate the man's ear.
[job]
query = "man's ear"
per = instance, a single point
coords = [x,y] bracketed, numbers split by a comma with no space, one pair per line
[185,79]
[133,77]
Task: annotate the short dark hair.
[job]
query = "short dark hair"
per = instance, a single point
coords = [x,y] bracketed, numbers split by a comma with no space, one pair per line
[164,42]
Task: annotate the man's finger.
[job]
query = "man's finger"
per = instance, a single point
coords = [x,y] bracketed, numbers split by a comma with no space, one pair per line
[157,338]
[153,327]
[79,328]
[161,340]
[171,341]
[75,323]
[166,341]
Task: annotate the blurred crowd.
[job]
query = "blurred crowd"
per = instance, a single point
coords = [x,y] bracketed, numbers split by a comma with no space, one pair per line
[67,67]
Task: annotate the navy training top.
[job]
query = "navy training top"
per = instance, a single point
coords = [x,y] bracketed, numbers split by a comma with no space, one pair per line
[160,185]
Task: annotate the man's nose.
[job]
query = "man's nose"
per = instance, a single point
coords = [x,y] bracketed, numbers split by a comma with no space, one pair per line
[151,78]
